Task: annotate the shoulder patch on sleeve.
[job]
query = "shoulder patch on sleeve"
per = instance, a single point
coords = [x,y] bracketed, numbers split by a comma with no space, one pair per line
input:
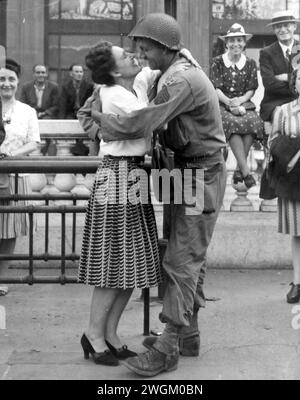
[163,96]
[170,80]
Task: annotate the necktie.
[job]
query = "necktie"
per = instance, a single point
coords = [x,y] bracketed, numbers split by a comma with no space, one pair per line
[77,99]
[288,57]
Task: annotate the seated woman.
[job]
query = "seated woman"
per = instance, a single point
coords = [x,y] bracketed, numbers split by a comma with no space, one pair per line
[284,143]
[120,244]
[21,137]
[235,78]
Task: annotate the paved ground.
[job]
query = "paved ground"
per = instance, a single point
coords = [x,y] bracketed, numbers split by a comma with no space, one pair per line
[246,331]
[246,328]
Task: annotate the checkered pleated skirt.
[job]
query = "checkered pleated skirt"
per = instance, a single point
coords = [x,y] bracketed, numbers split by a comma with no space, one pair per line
[289,217]
[13,225]
[120,243]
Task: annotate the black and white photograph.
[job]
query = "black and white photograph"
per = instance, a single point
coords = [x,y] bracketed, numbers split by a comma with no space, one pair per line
[150,195]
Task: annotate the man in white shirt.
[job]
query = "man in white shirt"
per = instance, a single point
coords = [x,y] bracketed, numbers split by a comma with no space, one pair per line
[41,94]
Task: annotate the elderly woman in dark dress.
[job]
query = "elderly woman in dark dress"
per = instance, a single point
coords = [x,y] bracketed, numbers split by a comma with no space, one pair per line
[235,78]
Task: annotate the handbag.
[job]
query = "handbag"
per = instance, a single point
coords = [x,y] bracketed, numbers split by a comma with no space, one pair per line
[267,192]
[160,158]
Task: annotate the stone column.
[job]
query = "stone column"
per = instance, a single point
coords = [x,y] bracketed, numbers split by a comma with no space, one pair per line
[241,202]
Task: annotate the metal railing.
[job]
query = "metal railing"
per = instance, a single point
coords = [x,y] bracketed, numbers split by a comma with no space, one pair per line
[42,165]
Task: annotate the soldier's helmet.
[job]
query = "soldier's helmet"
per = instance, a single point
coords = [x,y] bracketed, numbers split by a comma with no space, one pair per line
[159,27]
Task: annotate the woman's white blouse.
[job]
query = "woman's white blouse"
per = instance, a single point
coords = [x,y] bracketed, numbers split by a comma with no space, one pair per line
[22,129]
[118,100]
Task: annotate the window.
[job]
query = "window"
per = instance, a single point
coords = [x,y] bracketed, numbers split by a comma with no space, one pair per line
[91,9]
[73,26]
[3,4]
[251,9]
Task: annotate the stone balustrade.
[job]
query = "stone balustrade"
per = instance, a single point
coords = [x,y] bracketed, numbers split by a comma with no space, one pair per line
[64,133]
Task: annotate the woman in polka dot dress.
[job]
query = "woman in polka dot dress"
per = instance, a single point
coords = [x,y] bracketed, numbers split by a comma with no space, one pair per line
[235,78]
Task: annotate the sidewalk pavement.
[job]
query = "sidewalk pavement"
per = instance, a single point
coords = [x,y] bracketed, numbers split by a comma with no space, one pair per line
[246,331]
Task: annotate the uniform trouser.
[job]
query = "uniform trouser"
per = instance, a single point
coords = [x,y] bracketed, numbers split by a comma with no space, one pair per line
[189,237]
[199,300]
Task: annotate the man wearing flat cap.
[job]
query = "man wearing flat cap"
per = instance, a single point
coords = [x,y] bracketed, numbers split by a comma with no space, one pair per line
[276,65]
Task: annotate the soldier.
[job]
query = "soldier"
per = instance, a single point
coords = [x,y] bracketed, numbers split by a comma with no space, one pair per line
[187,101]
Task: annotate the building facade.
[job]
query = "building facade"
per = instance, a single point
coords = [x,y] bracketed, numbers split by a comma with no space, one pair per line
[60,32]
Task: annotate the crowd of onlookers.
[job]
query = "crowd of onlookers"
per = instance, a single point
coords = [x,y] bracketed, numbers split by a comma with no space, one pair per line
[53,101]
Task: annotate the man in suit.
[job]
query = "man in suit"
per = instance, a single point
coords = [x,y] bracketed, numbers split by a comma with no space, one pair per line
[74,93]
[276,63]
[41,94]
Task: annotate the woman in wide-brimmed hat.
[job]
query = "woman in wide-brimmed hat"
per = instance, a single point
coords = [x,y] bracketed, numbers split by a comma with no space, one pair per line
[235,78]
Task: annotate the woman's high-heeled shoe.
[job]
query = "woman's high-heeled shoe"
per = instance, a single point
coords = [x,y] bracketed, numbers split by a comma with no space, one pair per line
[293,295]
[3,290]
[105,358]
[121,353]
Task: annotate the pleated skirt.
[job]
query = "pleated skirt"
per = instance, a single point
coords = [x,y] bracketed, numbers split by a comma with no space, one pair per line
[289,217]
[120,242]
[13,225]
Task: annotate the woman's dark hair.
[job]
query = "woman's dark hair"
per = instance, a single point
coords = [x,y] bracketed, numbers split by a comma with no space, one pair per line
[13,66]
[292,82]
[101,62]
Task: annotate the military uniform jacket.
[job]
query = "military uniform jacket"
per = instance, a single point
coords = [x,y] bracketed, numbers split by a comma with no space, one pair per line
[189,104]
